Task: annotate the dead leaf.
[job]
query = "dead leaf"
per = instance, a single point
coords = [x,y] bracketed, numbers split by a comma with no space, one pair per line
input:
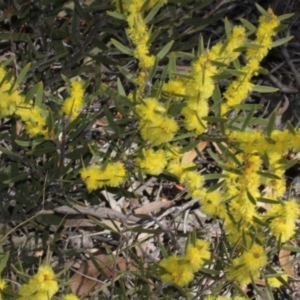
[153,206]
[284,261]
[88,276]
[191,155]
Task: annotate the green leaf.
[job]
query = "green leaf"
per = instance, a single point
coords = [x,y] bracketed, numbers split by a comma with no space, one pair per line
[214,176]
[16,178]
[282,41]
[117,15]
[250,197]
[121,47]
[32,143]
[152,13]
[266,200]
[110,119]
[39,94]
[227,27]
[249,118]
[264,89]
[120,88]
[3,260]
[271,124]
[248,25]
[215,119]
[200,45]
[268,175]
[261,10]
[163,52]
[21,76]
[285,16]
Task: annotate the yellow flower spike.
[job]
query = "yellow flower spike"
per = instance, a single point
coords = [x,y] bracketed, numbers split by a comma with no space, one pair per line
[74,103]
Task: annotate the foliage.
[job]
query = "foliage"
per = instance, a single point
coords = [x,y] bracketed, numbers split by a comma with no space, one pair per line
[155,115]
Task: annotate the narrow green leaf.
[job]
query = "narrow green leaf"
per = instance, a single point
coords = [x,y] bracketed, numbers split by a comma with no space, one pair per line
[16,178]
[152,13]
[227,27]
[200,45]
[268,175]
[290,127]
[121,47]
[214,156]
[248,25]
[110,119]
[282,41]
[32,143]
[31,93]
[120,88]
[261,10]
[215,119]
[3,260]
[127,74]
[39,94]
[152,70]
[214,176]
[117,15]
[249,118]
[266,200]
[264,89]
[21,76]
[164,51]
[285,16]
[250,197]
[271,124]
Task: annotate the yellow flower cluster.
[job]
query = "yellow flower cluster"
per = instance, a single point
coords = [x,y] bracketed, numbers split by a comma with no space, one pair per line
[274,282]
[281,219]
[179,270]
[155,125]
[248,265]
[152,162]
[2,287]
[74,103]
[10,99]
[238,90]
[110,174]
[41,286]
[138,32]
[201,87]
[35,119]
[13,102]
[187,175]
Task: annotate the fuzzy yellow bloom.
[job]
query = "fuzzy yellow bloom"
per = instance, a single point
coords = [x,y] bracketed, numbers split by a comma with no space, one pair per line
[176,270]
[274,282]
[179,169]
[197,254]
[210,204]
[193,118]
[175,86]
[149,109]
[41,286]
[247,265]
[152,162]
[282,219]
[96,177]
[74,103]
[161,129]
[71,297]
